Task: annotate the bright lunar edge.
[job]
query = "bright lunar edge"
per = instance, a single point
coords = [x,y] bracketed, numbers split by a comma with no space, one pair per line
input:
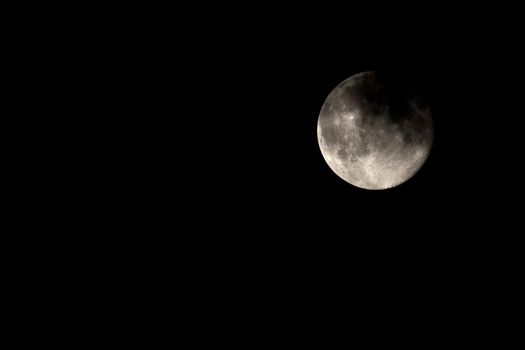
[375,132]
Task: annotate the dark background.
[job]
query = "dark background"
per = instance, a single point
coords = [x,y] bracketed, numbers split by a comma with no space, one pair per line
[260,218]
[247,201]
[198,170]
[233,108]
[250,125]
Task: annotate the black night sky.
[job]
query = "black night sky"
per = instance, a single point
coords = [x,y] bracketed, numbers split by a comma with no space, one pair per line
[263,200]
[247,146]
[200,172]
[211,180]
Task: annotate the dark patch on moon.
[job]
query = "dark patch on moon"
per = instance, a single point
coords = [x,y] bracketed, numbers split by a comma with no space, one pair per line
[330,133]
[361,148]
[342,153]
[408,138]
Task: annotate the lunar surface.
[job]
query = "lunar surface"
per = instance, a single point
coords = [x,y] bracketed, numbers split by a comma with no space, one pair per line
[374,131]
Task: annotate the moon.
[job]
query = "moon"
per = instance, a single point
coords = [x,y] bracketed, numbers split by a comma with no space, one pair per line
[375,131]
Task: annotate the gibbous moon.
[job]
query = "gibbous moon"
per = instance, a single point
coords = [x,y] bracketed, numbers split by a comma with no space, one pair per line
[375,131]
